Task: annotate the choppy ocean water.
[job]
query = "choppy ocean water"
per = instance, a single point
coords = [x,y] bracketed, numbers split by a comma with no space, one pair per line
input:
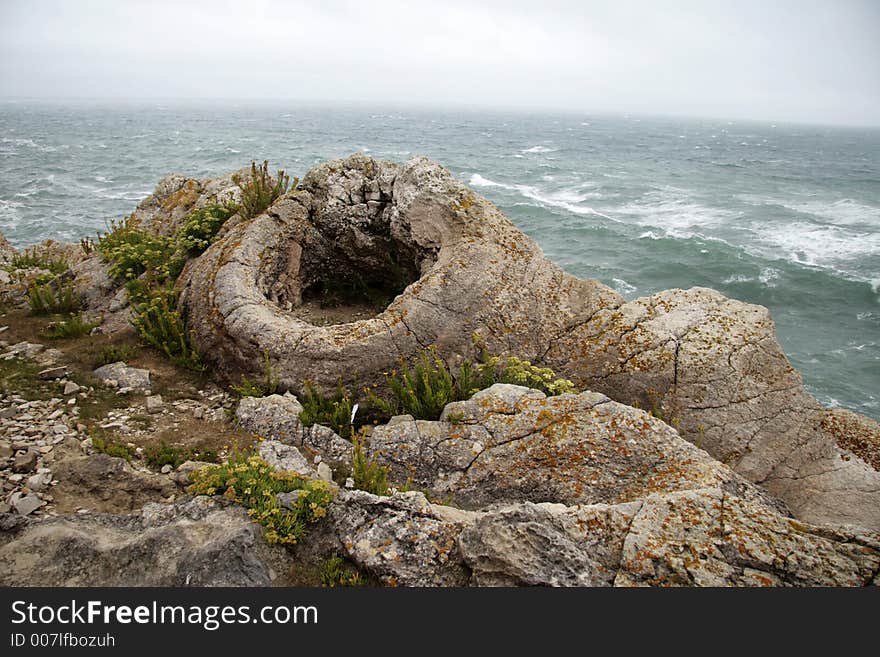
[787,216]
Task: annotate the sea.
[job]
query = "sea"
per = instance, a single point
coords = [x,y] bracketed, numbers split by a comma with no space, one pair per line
[782,215]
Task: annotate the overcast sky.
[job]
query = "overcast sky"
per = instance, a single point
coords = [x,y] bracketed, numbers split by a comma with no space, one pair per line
[765,59]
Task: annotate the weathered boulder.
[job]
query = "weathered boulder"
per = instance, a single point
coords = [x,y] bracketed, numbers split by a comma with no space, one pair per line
[285,458]
[699,537]
[402,539]
[196,542]
[509,443]
[276,417]
[712,366]
[447,260]
[125,376]
[703,537]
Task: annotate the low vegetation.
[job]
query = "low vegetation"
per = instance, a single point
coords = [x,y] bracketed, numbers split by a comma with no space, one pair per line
[34,258]
[164,454]
[336,571]
[366,473]
[111,447]
[49,298]
[260,189]
[248,480]
[259,388]
[335,410]
[73,327]
[113,353]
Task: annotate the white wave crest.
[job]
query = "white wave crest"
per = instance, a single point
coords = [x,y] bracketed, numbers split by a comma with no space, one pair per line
[539,149]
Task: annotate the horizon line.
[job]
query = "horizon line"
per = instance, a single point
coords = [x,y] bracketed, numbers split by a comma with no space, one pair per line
[420,106]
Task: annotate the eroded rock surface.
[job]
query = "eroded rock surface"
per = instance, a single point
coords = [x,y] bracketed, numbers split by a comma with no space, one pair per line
[197,542]
[509,443]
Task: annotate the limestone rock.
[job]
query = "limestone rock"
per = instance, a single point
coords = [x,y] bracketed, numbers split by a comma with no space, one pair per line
[402,539]
[286,458]
[108,484]
[455,263]
[197,542]
[25,504]
[703,537]
[25,462]
[275,417]
[510,443]
[713,366]
[155,404]
[125,377]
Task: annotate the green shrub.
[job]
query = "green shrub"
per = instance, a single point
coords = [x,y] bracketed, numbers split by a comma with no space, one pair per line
[260,189]
[164,454]
[74,327]
[429,385]
[46,299]
[132,252]
[523,373]
[422,391]
[201,227]
[114,353]
[335,571]
[368,475]
[333,411]
[253,388]
[112,448]
[159,323]
[250,481]
[34,259]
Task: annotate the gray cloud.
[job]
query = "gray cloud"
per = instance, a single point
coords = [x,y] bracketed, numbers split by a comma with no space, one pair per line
[781,60]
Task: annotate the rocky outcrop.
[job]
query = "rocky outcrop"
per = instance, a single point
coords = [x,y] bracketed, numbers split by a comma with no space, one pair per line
[712,366]
[701,537]
[509,443]
[455,263]
[197,542]
[459,268]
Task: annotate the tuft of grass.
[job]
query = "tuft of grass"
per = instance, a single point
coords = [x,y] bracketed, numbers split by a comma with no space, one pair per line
[421,391]
[260,189]
[112,447]
[368,475]
[74,327]
[250,481]
[35,259]
[252,388]
[164,454]
[331,410]
[46,299]
[112,353]
[335,571]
